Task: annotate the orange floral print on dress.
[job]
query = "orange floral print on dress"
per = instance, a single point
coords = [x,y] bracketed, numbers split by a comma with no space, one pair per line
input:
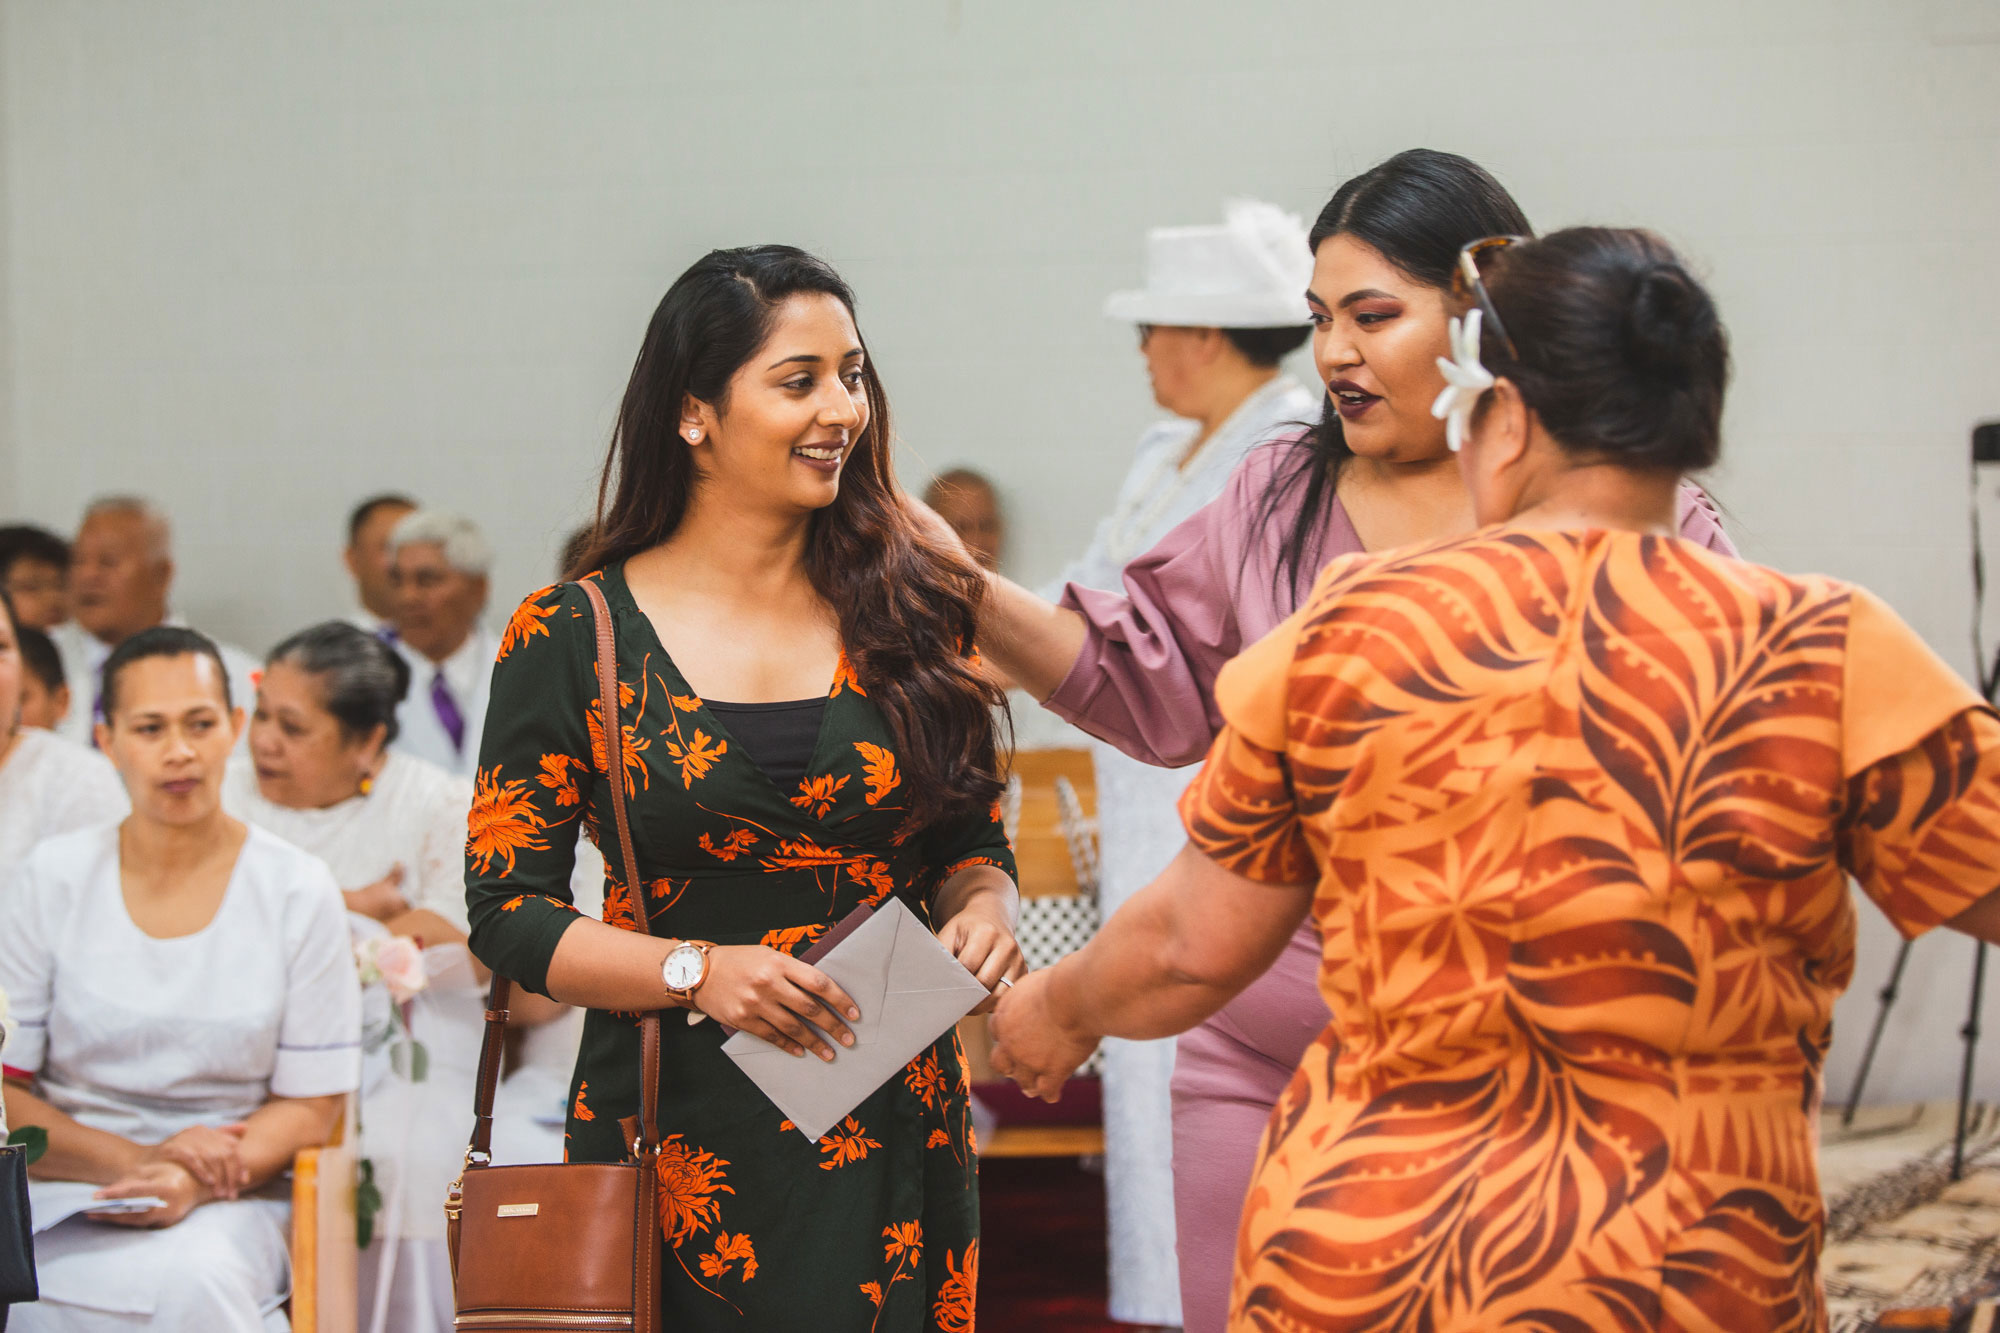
[687,703]
[805,854]
[529,619]
[580,1111]
[514,902]
[905,1249]
[875,876]
[738,842]
[816,794]
[697,757]
[632,748]
[904,1237]
[925,1078]
[667,892]
[848,1142]
[689,1181]
[845,679]
[787,939]
[879,768]
[938,1139]
[557,776]
[502,822]
[958,1297]
[728,1249]
[619,909]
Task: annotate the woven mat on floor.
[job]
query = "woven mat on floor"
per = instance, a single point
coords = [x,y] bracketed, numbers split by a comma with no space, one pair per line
[1902,1236]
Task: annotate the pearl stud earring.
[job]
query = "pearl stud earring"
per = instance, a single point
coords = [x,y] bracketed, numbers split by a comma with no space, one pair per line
[694,435]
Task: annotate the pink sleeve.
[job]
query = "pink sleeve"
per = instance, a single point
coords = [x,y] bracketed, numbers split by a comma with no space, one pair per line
[1145,678]
[1701,521]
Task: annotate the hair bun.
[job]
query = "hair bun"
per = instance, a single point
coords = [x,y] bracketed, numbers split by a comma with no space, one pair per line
[1668,321]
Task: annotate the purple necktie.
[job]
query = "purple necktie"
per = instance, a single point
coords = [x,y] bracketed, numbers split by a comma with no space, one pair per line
[448,715]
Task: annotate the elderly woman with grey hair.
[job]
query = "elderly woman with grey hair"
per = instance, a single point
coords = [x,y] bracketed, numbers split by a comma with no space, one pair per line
[438,563]
[322,774]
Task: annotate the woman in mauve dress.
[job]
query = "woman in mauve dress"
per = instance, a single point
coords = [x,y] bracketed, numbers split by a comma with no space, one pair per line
[1575,803]
[1138,668]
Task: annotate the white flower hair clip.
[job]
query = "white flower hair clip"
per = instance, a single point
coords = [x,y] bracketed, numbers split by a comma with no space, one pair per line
[1465,380]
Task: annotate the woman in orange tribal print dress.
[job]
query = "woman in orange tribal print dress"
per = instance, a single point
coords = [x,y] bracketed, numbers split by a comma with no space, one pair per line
[1574,803]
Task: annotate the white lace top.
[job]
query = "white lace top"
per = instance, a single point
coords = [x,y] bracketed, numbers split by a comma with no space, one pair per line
[48,786]
[413,816]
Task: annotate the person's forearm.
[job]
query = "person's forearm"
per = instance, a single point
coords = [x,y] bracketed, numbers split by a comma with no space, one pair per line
[1034,642]
[76,1151]
[525,1009]
[1124,983]
[602,967]
[1179,950]
[278,1130]
[984,886]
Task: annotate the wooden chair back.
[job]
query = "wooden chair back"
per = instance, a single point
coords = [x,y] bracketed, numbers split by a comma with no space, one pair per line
[326,1273]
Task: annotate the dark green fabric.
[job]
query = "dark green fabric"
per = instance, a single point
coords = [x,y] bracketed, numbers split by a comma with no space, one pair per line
[873,1227]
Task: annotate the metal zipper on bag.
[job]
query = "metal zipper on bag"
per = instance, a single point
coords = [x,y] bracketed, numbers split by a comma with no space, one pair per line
[554,1322]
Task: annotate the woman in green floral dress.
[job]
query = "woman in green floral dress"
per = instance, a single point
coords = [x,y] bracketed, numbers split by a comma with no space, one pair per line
[805,732]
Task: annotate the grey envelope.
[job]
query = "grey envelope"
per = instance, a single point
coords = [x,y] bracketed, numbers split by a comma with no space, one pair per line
[910,991]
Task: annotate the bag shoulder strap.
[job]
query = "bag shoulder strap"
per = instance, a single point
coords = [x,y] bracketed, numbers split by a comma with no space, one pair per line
[494,1041]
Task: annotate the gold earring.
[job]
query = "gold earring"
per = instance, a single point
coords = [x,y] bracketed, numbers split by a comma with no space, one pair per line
[367,784]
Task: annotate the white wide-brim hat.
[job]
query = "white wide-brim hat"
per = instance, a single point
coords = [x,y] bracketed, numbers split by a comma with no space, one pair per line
[1249,273]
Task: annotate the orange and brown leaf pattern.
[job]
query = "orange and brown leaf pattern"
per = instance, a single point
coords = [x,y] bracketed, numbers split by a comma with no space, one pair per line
[762,1227]
[1574,807]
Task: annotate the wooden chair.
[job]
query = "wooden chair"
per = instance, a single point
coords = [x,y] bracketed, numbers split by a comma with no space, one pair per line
[1042,854]
[325,1259]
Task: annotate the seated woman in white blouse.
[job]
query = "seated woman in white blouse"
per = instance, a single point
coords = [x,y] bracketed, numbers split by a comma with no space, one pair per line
[188,1020]
[321,775]
[47,785]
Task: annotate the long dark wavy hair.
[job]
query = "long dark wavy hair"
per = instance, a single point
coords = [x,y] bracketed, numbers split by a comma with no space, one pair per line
[908,607]
[1417,210]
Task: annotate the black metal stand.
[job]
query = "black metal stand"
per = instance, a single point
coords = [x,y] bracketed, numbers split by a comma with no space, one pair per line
[1970,1034]
[1887,997]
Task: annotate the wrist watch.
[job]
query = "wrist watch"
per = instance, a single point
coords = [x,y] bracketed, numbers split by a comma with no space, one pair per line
[685,968]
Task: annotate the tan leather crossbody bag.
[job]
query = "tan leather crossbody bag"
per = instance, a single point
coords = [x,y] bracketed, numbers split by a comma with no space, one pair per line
[548,1249]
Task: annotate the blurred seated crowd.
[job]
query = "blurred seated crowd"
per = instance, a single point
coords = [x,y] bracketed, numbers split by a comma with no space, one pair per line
[231,894]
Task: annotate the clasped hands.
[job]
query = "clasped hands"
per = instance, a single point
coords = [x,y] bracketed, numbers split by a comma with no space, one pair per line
[195,1166]
[798,1008]
[1030,1043]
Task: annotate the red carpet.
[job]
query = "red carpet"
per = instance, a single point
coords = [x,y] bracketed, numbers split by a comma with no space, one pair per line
[1041,1248]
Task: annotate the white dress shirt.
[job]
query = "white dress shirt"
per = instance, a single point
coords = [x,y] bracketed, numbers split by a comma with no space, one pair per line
[468,673]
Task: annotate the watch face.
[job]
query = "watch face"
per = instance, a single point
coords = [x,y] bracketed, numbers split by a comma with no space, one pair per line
[684,966]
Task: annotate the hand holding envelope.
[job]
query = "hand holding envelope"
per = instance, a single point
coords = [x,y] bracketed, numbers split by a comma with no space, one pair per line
[911,991]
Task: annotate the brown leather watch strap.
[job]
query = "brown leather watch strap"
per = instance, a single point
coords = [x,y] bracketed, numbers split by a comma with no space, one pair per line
[493,1043]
